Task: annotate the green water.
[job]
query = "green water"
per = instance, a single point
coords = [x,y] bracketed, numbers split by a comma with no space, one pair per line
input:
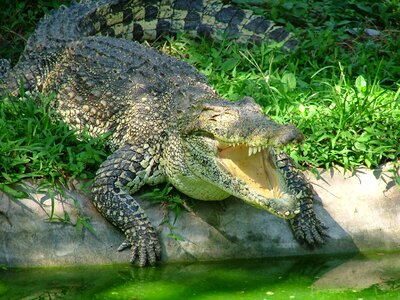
[373,277]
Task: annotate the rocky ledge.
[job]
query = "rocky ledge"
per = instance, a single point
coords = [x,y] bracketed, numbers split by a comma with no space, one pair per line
[362,210]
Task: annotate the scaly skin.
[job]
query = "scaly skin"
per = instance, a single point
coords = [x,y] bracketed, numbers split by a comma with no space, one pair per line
[166,122]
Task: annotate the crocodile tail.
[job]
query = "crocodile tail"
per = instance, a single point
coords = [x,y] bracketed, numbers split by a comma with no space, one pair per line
[135,20]
[150,19]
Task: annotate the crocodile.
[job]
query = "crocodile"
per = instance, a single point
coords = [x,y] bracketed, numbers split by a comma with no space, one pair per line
[165,122]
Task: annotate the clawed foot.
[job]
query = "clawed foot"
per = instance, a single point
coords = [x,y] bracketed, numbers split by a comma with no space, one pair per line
[145,246]
[308,229]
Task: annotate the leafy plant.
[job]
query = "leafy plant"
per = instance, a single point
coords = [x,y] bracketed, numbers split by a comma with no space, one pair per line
[84,222]
[34,144]
[348,120]
[168,197]
[18,20]
[328,12]
[171,200]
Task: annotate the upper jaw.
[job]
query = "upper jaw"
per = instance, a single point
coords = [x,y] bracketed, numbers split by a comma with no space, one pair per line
[284,135]
[252,148]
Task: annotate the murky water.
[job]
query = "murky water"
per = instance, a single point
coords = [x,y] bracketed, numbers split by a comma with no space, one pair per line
[361,277]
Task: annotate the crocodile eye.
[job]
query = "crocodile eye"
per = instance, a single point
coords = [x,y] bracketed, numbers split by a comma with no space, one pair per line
[214,117]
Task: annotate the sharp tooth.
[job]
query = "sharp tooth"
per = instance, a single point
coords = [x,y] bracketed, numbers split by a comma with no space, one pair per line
[259,149]
[253,150]
[250,151]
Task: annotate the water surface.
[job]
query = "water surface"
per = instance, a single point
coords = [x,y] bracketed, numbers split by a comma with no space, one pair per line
[361,277]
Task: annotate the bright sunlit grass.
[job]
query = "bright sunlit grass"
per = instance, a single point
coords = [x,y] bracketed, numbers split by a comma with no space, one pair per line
[349,119]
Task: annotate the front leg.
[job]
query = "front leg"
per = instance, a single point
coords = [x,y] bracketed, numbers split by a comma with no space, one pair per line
[306,226]
[123,173]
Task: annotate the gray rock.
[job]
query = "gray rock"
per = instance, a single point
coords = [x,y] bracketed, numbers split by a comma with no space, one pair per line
[368,31]
[380,270]
[372,32]
[362,210]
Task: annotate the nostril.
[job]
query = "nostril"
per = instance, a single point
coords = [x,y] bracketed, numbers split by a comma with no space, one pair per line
[288,134]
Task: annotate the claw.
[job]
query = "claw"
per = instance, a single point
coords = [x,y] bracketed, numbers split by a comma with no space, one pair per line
[308,229]
[125,244]
[151,255]
[142,255]
[309,238]
[145,246]
[158,251]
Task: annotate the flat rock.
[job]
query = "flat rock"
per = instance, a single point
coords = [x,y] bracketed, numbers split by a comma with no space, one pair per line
[362,210]
[380,270]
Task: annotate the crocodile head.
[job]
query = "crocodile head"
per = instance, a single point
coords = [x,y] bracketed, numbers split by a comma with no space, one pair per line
[230,146]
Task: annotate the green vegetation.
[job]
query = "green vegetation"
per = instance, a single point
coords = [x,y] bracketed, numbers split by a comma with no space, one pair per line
[341,87]
[170,200]
[18,20]
[348,120]
[33,144]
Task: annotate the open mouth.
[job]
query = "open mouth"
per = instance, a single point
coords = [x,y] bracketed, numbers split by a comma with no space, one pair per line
[255,166]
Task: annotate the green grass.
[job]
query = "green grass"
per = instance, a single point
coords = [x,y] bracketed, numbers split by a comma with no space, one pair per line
[35,144]
[18,21]
[349,118]
[341,87]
